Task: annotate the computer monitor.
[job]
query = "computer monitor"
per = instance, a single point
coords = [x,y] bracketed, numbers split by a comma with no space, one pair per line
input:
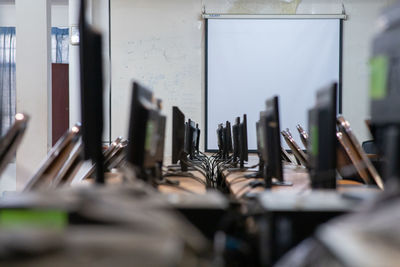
[260,147]
[245,147]
[303,135]
[91,70]
[359,159]
[159,146]
[198,138]
[189,138]
[299,154]
[270,125]
[152,137]
[243,151]
[227,139]
[323,141]
[56,158]
[236,140]
[178,134]
[194,139]
[273,142]
[141,105]
[162,120]
[220,138]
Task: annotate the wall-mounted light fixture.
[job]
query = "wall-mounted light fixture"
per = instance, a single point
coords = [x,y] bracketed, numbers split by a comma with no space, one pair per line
[74,35]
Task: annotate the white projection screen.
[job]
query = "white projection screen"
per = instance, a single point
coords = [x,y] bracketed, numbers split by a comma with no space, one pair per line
[251,60]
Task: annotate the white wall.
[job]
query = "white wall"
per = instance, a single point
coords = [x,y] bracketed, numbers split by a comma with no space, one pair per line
[161,43]
[33,92]
[59,13]
[7,14]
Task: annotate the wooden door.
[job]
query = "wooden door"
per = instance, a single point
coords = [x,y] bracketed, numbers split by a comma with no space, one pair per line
[60,100]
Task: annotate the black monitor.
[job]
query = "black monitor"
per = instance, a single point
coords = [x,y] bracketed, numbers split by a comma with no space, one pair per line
[272,142]
[322,148]
[152,137]
[198,138]
[245,148]
[141,106]
[178,134]
[243,152]
[227,139]
[220,138]
[194,139]
[190,128]
[260,146]
[90,53]
[162,120]
[236,140]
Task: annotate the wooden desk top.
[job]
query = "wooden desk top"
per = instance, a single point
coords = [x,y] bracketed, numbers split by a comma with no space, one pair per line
[298,176]
[239,185]
[187,185]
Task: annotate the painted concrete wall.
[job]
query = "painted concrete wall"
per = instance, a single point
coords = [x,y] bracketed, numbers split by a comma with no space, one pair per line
[161,44]
[59,13]
[7,14]
[33,72]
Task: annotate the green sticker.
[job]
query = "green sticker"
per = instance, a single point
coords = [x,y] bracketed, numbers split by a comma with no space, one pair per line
[20,218]
[149,135]
[260,135]
[314,140]
[379,77]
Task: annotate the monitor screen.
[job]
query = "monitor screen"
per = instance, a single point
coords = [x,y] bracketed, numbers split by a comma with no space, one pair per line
[323,138]
[178,134]
[198,138]
[220,138]
[228,136]
[236,140]
[190,138]
[162,121]
[91,80]
[244,153]
[140,111]
[273,141]
[91,87]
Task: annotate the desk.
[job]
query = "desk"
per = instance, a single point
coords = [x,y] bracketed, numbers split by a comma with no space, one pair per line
[112,178]
[187,185]
[239,185]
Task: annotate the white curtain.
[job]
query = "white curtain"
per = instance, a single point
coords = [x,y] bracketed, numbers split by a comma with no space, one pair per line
[59,45]
[7,77]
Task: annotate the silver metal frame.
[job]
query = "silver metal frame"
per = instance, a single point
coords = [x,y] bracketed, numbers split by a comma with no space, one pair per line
[274,16]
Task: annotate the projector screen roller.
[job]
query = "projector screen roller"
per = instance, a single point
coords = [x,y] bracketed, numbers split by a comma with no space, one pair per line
[251,60]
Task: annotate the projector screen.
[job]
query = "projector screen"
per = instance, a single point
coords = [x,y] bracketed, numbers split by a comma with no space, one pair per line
[251,60]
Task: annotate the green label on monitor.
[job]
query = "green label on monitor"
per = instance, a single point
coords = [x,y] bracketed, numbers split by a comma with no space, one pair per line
[314,140]
[260,136]
[18,219]
[149,135]
[379,77]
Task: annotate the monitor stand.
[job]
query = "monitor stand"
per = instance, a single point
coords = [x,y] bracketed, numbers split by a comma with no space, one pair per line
[282,183]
